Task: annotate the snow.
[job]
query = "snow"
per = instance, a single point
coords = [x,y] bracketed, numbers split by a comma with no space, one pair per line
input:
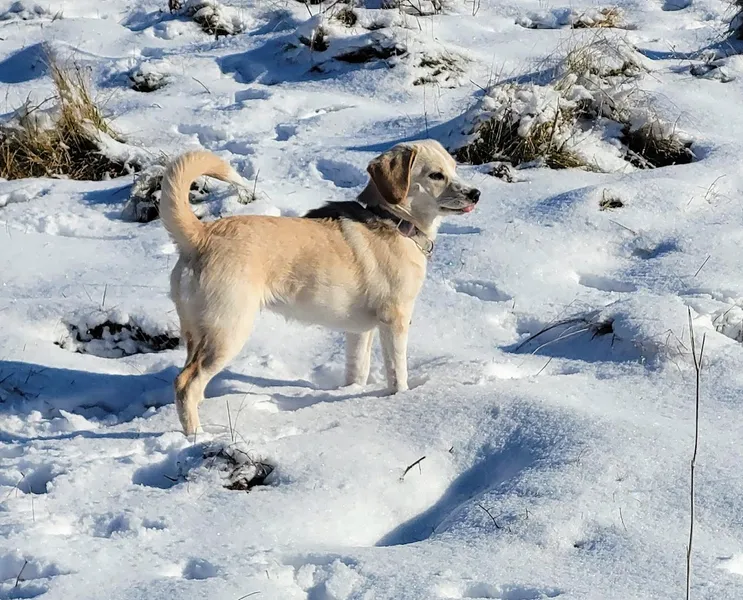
[555,467]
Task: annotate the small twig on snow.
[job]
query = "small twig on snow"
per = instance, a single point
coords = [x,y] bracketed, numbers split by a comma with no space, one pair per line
[18,579]
[704,263]
[208,91]
[698,373]
[417,462]
[545,365]
[490,515]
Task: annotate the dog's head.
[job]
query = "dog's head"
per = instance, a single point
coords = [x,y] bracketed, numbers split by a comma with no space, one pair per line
[420,180]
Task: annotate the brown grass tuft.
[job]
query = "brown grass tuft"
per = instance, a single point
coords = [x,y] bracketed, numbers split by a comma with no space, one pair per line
[649,147]
[500,140]
[607,17]
[346,16]
[318,42]
[63,143]
[212,18]
[441,69]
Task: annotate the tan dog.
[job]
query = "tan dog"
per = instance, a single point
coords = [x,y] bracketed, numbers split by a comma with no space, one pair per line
[351,266]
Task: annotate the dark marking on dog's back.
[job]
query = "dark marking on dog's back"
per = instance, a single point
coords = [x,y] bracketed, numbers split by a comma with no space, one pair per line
[353,211]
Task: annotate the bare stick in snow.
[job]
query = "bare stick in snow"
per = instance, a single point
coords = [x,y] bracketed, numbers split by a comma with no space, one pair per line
[698,373]
[417,462]
[208,91]
[704,263]
[490,515]
[18,579]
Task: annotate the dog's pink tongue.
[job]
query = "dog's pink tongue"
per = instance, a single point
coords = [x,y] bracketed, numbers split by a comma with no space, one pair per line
[469,208]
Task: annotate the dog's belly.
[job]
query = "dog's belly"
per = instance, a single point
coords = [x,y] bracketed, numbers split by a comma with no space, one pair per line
[354,319]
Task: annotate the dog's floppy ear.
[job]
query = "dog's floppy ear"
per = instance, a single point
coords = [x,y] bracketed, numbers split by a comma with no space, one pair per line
[390,172]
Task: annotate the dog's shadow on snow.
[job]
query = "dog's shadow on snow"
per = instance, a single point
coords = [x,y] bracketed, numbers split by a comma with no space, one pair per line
[101,398]
[108,399]
[105,399]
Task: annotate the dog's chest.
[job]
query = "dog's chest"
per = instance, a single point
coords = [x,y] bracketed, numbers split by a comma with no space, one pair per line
[338,314]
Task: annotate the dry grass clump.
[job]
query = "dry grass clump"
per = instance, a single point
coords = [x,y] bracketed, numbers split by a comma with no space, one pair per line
[114,339]
[143,204]
[593,97]
[213,18]
[64,142]
[371,52]
[317,40]
[609,16]
[651,146]
[441,69]
[602,60]
[610,201]
[502,171]
[147,82]
[504,138]
[590,323]
[240,470]
[346,16]
[418,8]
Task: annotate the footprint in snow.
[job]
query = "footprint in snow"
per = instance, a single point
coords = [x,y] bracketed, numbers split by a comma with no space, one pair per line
[482,591]
[733,564]
[206,134]
[341,174]
[325,110]
[452,229]
[37,479]
[199,568]
[482,290]
[605,284]
[674,5]
[21,574]
[251,94]
[285,131]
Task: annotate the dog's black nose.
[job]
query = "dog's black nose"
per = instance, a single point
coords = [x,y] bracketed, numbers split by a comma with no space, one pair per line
[474,194]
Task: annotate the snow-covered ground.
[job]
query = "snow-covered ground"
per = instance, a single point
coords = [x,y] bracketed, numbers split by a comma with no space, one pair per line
[554,468]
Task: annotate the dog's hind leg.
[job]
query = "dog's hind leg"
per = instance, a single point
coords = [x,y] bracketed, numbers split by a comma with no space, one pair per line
[211,353]
[358,357]
[188,333]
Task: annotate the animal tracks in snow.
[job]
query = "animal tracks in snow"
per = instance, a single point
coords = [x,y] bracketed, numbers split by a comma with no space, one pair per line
[199,568]
[327,577]
[23,576]
[206,134]
[605,284]
[453,229]
[482,290]
[482,591]
[732,564]
[341,174]
[285,131]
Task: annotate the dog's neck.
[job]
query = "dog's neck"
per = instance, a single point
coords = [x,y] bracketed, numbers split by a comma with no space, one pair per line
[371,198]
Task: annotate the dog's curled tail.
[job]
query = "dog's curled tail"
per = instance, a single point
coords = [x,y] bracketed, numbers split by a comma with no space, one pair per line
[175,210]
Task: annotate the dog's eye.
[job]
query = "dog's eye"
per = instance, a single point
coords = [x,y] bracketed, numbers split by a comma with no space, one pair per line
[436,175]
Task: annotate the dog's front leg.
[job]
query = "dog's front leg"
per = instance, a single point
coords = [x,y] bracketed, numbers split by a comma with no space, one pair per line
[358,357]
[393,333]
